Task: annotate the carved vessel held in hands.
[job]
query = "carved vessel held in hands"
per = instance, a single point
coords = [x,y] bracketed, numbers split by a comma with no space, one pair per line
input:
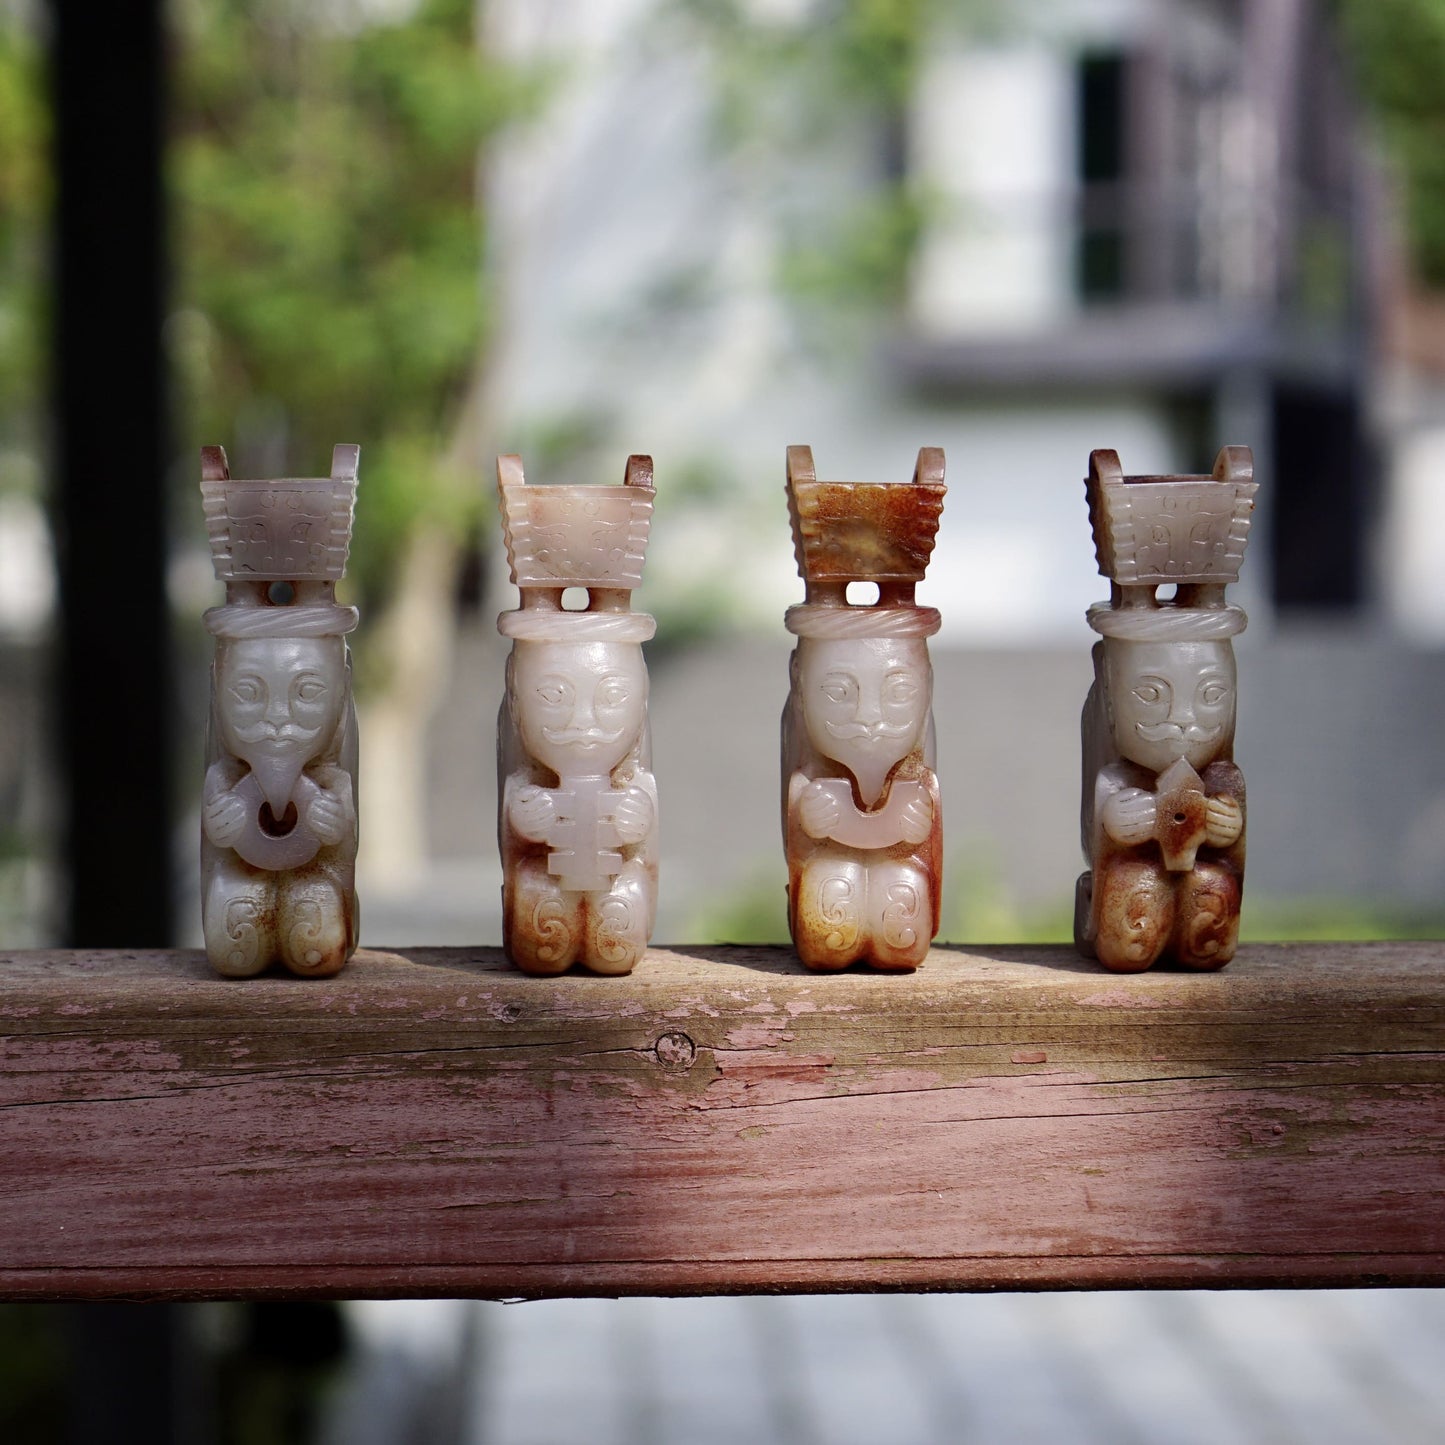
[1163,808]
[577,801]
[862,822]
[278,810]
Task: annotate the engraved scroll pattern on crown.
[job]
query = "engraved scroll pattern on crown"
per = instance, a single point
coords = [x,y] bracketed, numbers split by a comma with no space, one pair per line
[1152,530]
[576,536]
[279,530]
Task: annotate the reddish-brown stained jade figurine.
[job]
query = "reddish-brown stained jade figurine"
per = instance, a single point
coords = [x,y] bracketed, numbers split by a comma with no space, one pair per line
[1163,803]
[862,822]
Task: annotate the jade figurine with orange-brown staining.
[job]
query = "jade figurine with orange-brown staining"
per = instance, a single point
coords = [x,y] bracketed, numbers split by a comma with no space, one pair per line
[1163,808]
[862,821]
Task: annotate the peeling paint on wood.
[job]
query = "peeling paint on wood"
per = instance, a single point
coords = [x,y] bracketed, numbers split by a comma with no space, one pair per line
[432,1122]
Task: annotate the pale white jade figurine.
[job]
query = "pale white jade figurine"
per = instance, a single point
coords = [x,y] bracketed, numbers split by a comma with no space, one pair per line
[577,802]
[862,823]
[278,810]
[1163,803]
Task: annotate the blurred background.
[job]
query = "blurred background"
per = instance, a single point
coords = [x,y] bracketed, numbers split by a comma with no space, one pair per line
[707,229]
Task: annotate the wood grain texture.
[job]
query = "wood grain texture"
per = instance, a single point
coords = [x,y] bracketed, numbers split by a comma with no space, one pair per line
[432,1122]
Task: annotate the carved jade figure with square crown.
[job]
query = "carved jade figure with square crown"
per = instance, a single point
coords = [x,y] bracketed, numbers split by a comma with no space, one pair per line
[577,802]
[1163,803]
[278,810]
[862,823]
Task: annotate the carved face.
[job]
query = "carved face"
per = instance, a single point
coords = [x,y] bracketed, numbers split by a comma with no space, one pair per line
[579,705]
[279,700]
[1170,700]
[865,702]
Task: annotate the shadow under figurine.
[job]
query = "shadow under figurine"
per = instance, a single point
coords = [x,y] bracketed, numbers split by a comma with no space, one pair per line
[577,801]
[1163,810]
[278,808]
[862,815]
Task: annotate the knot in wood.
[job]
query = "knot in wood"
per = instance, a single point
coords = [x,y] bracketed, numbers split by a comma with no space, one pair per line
[675,1051]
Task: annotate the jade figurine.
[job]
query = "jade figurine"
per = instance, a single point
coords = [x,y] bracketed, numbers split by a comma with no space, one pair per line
[1163,807]
[278,809]
[577,801]
[862,820]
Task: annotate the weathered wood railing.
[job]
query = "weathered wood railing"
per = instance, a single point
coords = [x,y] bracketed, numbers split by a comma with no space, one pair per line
[431,1122]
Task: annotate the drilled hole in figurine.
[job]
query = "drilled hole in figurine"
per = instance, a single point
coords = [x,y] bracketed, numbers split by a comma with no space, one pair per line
[278,817]
[1163,802]
[861,815]
[577,799]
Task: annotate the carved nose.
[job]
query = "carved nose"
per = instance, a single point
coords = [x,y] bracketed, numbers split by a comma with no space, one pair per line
[1182,712]
[868,710]
[276,711]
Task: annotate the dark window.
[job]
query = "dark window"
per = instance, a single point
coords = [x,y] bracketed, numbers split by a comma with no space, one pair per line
[1099,258]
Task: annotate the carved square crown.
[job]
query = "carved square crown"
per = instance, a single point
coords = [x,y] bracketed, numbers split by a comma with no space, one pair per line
[576,536]
[864,531]
[1152,530]
[276,531]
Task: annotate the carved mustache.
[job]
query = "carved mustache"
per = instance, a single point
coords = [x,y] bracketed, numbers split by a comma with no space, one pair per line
[564,736]
[848,731]
[265,732]
[1168,732]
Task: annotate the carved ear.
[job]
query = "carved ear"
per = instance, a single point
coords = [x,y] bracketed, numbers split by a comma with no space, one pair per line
[929,468]
[509,471]
[800,466]
[639,471]
[345,458]
[214,466]
[1234,464]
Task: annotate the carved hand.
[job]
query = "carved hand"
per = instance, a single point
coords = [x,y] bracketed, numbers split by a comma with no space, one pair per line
[532,813]
[224,819]
[1129,816]
[915,822]
[328,815]
[819,811]
[1223,822]
[632,816]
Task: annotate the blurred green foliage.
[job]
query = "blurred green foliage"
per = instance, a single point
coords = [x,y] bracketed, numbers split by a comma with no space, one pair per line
[813,108]
[330,243]
[24,196]
[1399,52]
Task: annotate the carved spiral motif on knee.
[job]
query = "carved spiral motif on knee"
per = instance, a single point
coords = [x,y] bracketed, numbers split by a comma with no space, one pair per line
[836,910]
[614,928]
[303,940]
[1207,925]
[1140,923]
[899,915]
[549,927]
[241,915]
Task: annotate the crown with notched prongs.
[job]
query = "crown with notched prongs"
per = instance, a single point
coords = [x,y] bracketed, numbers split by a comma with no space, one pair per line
[1151,531]
[561,537]
[881,532]
[288,530]
[293,530]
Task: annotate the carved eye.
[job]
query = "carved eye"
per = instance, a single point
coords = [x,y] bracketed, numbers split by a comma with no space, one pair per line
[554,692]
[1149,692]
[611,692]
[246,690]
[900,689]
[1213,693]
[311,689]
[838,688]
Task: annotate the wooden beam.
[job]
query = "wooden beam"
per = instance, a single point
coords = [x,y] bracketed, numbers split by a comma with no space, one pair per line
[433,1123]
